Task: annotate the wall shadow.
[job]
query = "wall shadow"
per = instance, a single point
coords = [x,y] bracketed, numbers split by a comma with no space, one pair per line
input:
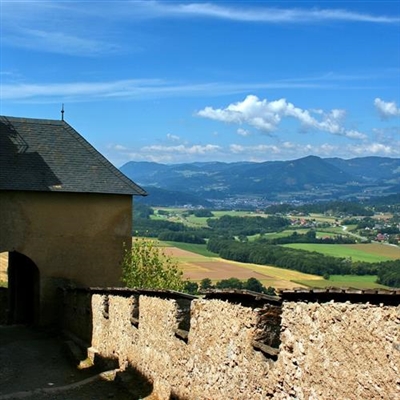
[21,166]
[23,290]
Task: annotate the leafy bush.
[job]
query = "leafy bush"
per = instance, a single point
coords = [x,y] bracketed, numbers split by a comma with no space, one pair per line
[147,266]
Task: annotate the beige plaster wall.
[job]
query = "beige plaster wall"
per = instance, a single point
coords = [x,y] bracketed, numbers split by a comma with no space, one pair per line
[328,351]
[70,236]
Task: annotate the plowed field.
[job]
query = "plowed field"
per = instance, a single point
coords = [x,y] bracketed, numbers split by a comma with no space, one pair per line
[196,267]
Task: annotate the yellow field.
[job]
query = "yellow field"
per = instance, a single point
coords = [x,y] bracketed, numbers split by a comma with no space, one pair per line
[196,267]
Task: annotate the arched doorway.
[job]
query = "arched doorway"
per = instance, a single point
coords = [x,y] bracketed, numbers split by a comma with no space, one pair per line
[24,289]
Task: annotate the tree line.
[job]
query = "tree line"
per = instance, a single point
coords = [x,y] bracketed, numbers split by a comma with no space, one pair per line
[252,284]
[309,237]
[258,252]
[221,234]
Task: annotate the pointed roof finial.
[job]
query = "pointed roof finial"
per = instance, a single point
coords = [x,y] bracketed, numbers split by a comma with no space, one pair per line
[62,112]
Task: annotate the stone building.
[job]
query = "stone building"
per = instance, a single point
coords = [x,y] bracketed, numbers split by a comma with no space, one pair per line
[65,214]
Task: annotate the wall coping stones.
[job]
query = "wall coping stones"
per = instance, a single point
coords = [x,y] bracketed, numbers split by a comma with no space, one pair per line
[373,296]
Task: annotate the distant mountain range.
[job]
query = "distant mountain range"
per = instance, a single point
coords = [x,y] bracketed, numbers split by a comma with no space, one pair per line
[306,179]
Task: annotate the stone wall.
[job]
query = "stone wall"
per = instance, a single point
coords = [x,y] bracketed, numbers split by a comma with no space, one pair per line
[327,350]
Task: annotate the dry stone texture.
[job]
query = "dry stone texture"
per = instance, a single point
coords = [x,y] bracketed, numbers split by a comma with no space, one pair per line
[327,351]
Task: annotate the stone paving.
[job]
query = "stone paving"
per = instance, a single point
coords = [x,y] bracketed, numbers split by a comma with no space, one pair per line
[35,365]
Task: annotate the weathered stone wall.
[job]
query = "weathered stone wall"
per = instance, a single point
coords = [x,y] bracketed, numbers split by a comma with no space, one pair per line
[339,351]
[327,351]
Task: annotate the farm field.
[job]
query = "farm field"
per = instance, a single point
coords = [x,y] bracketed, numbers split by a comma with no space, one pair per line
[371,252]
[196,267]
[346,281]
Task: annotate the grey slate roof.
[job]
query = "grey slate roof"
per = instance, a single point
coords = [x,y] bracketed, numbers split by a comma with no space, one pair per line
[49,155]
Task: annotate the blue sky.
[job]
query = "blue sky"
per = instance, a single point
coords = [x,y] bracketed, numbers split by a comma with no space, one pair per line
[182,81]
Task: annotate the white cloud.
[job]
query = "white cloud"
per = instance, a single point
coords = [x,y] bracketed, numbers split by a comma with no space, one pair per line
[76,27]
[173,154]
[173,138]
[266,116]
[252,150]
[183,149]
[290,150]
[118,147]
[58,42]
[286,150]
[82,91]
[271,15]
[243,132]
[386,109]
[378,149]
[142,9]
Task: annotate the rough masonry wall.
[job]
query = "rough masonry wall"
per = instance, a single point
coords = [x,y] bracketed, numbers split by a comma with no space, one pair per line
[327,351]
[340,351]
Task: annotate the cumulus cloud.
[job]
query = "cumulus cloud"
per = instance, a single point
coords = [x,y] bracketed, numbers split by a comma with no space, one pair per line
[266,116]
[118,147]
[183,149]
[375,149]
[285,150]
[290,150]
[243,132]
[386,109]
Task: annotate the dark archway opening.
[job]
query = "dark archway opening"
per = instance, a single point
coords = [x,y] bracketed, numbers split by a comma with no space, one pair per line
[23,289]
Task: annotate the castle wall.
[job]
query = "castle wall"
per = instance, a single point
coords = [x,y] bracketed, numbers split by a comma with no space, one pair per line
[71,237]
[328,350]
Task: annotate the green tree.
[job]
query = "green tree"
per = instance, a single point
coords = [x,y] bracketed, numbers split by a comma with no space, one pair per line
[191,287]
[205,284]
[270,291]
[231,283]
[254,285]
[147,266]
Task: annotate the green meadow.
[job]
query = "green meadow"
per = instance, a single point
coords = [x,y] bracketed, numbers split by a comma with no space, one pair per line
[355,252]
[200,249]
[345,281]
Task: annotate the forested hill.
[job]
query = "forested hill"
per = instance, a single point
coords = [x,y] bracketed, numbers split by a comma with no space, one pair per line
[312,177]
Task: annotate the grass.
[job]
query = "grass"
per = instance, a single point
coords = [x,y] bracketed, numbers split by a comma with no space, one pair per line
[273,276]
[356,252]
[200,249]
[281,278]
[200,222]
[350,281]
